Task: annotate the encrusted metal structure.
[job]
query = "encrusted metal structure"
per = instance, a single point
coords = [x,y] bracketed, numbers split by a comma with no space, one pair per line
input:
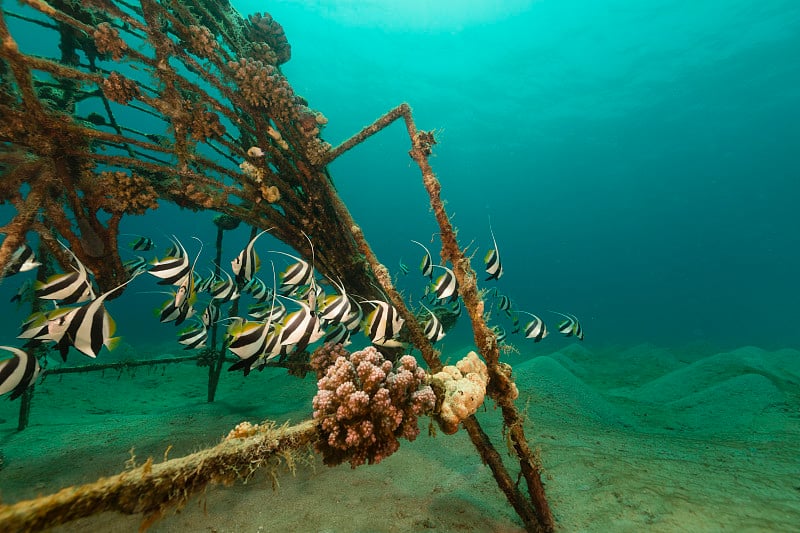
[159,101]
[184,102]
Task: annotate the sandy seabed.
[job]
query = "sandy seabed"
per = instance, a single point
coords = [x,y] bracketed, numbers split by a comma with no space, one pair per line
[634,439]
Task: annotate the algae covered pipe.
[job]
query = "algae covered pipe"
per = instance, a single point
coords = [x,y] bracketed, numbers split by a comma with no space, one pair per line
[152,488]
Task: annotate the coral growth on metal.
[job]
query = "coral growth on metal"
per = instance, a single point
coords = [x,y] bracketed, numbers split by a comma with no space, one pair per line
[144,102]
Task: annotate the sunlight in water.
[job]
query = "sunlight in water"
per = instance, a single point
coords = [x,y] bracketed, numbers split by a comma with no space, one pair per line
[416,15]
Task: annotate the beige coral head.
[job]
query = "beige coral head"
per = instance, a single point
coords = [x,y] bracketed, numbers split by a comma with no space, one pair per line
[243,430]
[275,134]
[271,194]
[252,171]
[473,364]
[463,387]
[255,151]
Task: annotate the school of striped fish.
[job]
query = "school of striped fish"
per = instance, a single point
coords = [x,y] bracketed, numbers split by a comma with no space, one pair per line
[443,295]
[299,308]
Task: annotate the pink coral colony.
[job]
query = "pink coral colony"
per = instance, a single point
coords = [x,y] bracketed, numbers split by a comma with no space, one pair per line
[364,404]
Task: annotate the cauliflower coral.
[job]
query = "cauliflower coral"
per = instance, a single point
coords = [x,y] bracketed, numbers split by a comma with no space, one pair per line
[365,403]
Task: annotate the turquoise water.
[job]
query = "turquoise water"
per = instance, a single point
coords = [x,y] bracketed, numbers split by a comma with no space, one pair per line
[637,159]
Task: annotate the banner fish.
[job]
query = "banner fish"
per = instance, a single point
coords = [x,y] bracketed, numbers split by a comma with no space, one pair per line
[257,289]
[535,329]
[432,328]
[224,290]
[493,265]
[383,323]
[300,328]
[446,287]
[193,336]
[86,328]
[247,263]
[338,334]
[335,308]
[500,333]
[172,269]
[298,273]
[18,372]
[571,326]
[142,244]
[426,266]
[22,260]
[70,288]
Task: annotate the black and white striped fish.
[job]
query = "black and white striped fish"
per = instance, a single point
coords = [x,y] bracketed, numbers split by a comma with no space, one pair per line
[248,338]
[247,263]
[494,267]
[170,311]
[204,284]
[142,244]
[432,328]
[338,334]
[300,328]
[571,326]
[36,326]
[426,266]
[186,291]
[194,336]
[257,343]
[305,293]
[500,333]
[383,323]
[456,308]
[269,349]
[297,274]
[445,287]
[335,308]
[503,303]
[274,311]
[132,266]
[353,321]
[17,373]
[210,314]
[70,287]
[535,329]
[225,290]
[87,328]
[22,260]
[403,268]
[257,289]
[172,269]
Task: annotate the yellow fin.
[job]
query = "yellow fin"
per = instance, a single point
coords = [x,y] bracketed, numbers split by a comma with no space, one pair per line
[112,325]
[112,343]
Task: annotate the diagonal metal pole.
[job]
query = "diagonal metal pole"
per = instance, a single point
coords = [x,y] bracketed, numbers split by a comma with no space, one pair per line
[535,512]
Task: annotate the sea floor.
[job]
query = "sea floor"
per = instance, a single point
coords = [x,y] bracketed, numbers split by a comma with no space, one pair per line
[634,439]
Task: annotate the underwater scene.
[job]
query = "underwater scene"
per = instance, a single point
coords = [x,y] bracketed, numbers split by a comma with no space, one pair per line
[392,266]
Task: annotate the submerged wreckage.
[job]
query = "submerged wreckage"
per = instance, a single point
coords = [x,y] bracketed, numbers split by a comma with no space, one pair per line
[226,132]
